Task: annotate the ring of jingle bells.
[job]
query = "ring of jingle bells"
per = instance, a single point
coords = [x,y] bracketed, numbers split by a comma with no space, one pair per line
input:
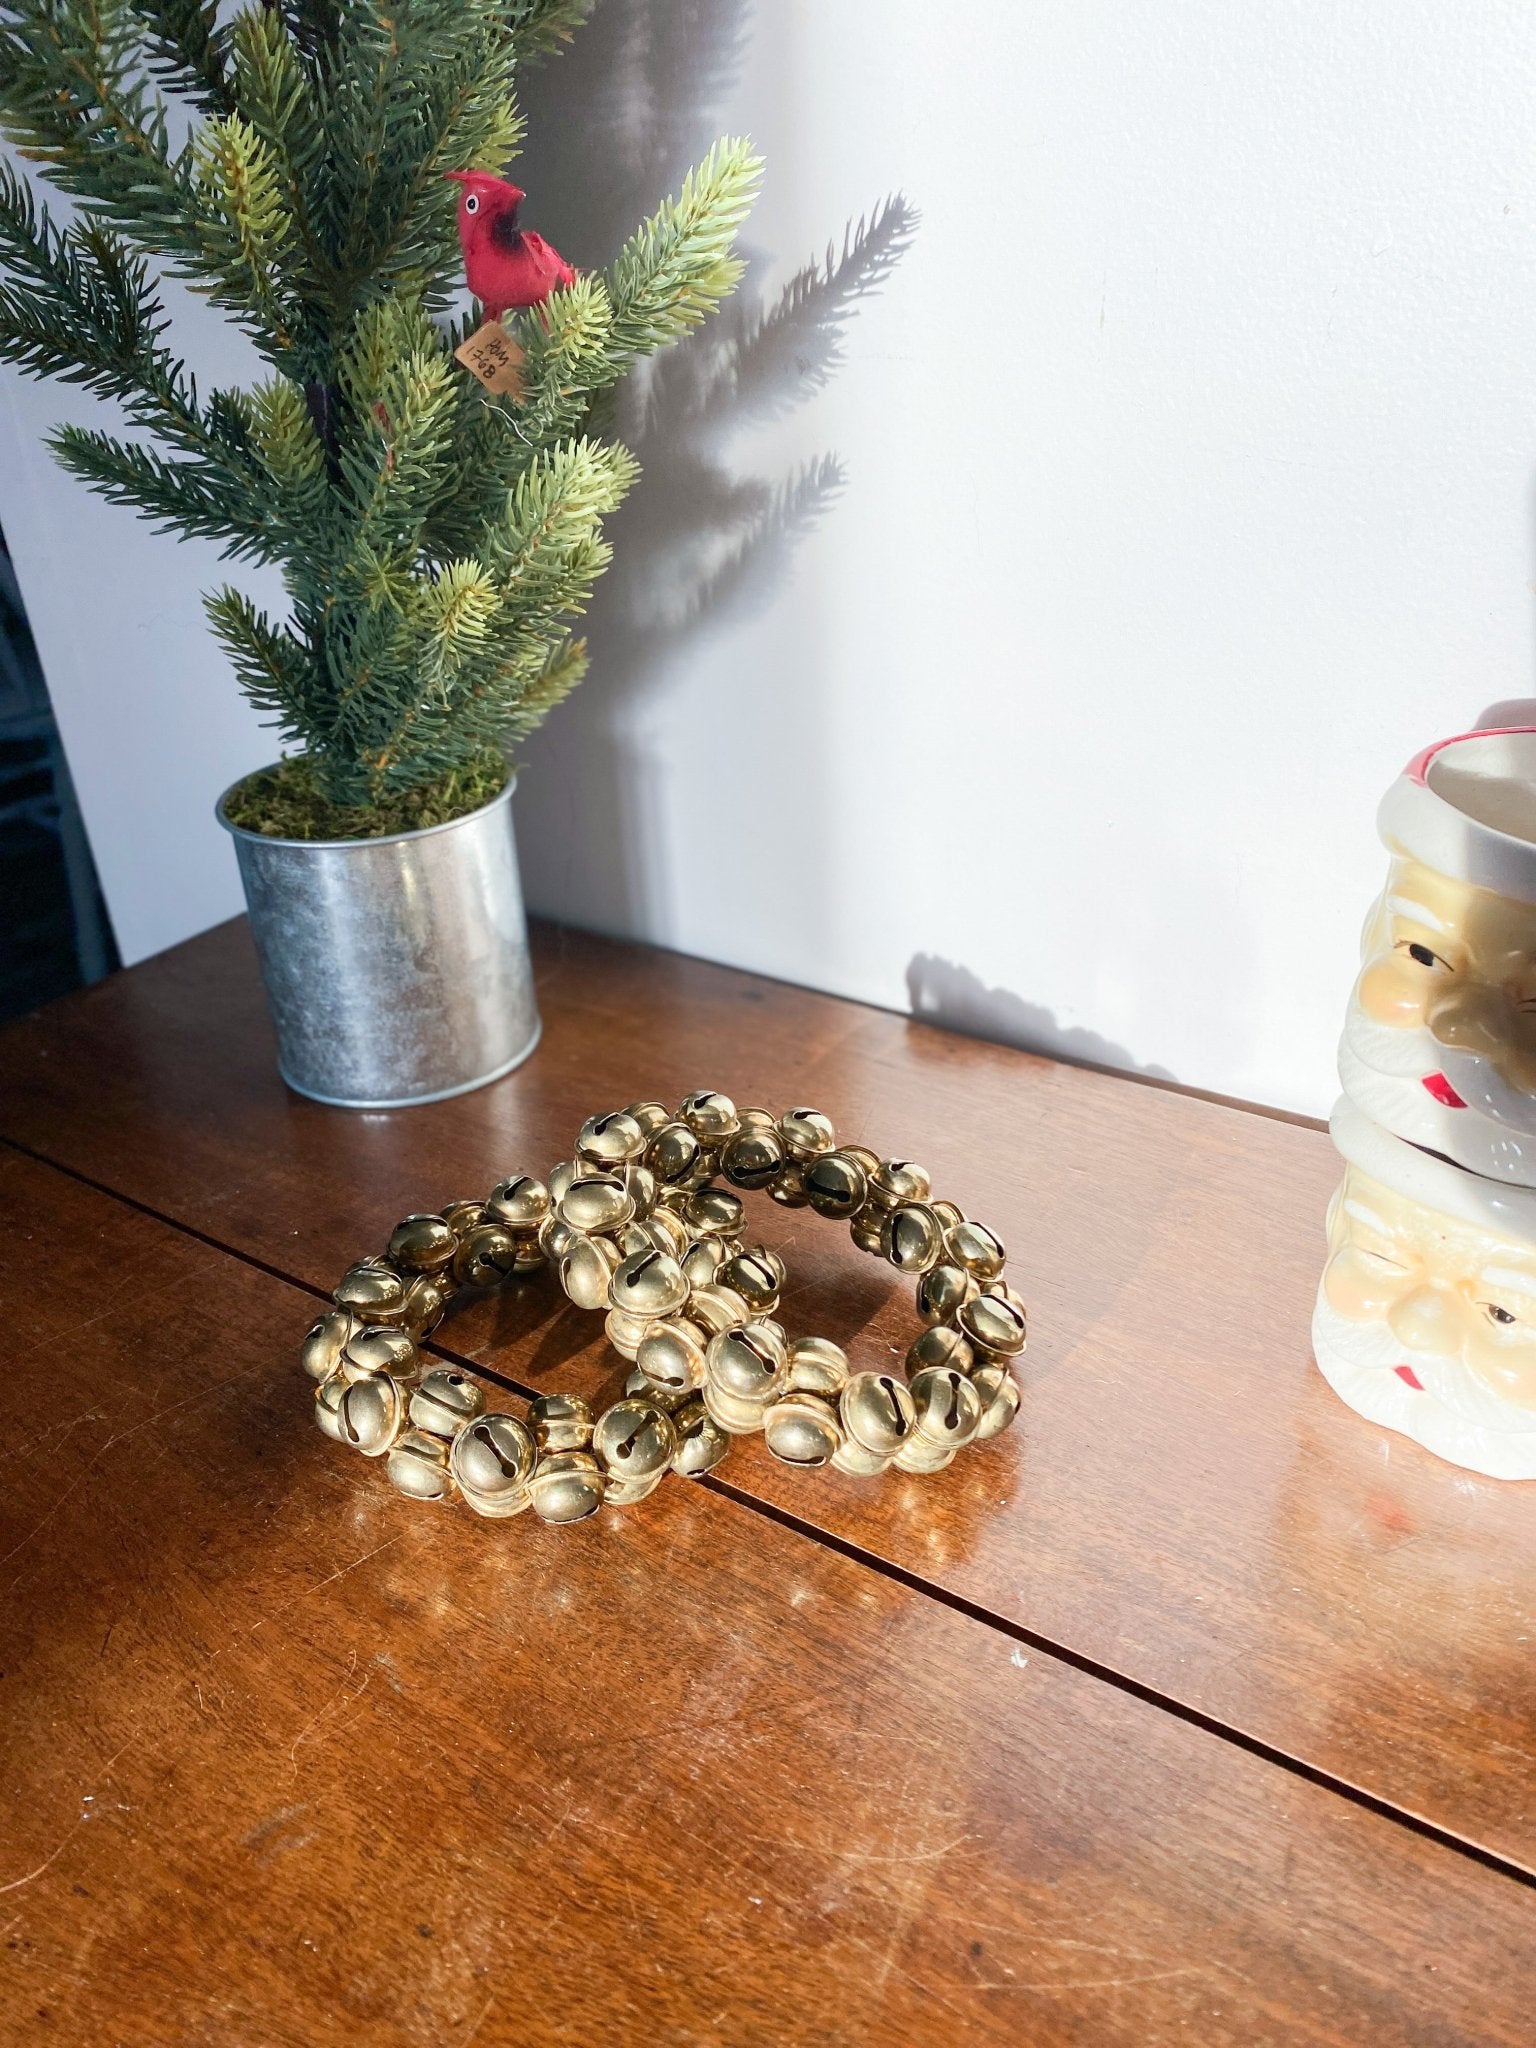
[637,1225]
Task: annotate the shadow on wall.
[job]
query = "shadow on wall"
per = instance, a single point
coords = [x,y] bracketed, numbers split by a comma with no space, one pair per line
[697,544]
[958,1000]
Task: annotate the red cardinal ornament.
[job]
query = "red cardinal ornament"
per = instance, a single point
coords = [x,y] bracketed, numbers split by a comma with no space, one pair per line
[506,266]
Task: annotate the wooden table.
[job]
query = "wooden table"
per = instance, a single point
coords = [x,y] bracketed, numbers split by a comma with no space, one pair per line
[1193,1709]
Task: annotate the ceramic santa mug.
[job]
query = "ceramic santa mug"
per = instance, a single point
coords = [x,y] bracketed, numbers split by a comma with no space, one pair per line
[1426,1315]
[1440,1041]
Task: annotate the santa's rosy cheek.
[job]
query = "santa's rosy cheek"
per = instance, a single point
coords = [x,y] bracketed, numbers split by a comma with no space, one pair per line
[1392,992]
[1360,1286]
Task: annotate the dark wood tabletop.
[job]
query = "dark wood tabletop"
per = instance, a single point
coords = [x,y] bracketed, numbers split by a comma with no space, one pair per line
[1194,1708]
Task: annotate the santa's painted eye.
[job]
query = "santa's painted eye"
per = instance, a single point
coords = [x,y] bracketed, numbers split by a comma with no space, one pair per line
[472,204]
[1424,956]
[1497,1314]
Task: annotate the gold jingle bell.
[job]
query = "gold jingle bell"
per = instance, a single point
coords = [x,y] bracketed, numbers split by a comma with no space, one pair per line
[806,1132]
[876,1411]
[817,1366]
[802,1429]
[560,1422]
[757,1276]
[994,1323]
[641,1186]
[328,1399]
[320,1353]
[717,1308]
[587,1269]
[444,1402]
[379,1350]
[671,1354]
[486,1255]
[734,1413]
[836,1184]
[703,1260]
[610,1140]
[421,1244]
[866,1231]
[638,1388]
[375,1293]
[898,1180]
[648,1284]
[999,1392]
[940,1346]
[492,1461]
[710,1116]
[566,1486]
[372,1414]
[752,1157]
[521,1203]
[418,1466]
[672,1153]
[922,1454]
[462,1216]
[749,1363]
[942,1290]
[597,1201]
[667,1231]
[912,1237]
[650,1116]
[974,1248]
[701,1442]
[947,1407]
[624,1332]
[788,1189]
[426,1296]
[621,1491]
[634,1439]
[714,1212]
[859,1463]
[554,1238]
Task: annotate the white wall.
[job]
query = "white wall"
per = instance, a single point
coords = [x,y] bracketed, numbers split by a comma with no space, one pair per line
[1029,639]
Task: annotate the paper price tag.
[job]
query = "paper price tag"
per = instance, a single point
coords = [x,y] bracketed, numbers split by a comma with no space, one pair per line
[495,358]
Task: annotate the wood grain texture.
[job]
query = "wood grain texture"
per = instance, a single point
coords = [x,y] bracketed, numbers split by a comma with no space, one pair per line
[290,1762]
[1183,1501]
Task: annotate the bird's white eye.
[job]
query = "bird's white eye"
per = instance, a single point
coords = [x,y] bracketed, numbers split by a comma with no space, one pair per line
[472,203]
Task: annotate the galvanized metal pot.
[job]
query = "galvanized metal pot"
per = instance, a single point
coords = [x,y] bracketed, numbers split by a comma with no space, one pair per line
[397,969]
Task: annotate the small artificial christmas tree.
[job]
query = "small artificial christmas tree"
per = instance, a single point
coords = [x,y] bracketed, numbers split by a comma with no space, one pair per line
[435,539]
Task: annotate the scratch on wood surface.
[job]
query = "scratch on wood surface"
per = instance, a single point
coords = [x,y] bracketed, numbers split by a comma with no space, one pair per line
[120,1436]
[49,1860]
[330,1706]
[479,2023]
[1097,1983]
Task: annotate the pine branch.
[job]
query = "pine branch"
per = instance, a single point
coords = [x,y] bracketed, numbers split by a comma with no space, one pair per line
[539,28]
[81,309]
[187,497]
[276,670]
[678,267]
[188,49]
[412,100]
[285,111]
[565,668]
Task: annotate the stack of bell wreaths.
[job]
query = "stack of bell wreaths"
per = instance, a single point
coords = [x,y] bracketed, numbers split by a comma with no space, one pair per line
[638,1227]
[1426,1314]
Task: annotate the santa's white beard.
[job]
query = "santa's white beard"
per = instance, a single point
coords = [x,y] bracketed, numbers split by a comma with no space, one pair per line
[1451,1412]
[1410,1055]
[1402,1105]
